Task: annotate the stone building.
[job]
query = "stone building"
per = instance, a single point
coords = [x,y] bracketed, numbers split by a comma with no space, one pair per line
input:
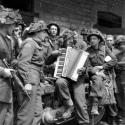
[107,15]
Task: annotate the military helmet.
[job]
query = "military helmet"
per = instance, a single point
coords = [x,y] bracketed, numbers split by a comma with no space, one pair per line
[48,116]
[10,16]
[84,31]
[95,32]
[67,33]
[54,24]
[120,39]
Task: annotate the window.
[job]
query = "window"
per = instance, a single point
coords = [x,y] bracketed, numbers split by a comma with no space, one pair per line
[108,19]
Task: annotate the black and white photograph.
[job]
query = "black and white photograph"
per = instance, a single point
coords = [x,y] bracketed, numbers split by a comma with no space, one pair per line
[62,62]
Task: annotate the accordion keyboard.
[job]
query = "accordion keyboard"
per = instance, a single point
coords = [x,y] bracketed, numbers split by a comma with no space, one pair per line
[60,64]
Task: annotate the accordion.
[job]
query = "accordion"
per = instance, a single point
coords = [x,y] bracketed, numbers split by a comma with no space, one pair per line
[69,62]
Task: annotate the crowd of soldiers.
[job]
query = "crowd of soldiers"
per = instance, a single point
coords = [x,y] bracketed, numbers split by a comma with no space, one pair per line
[31,52]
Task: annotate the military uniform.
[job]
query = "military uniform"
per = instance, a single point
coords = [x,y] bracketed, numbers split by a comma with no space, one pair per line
[6,85]
[8,18]
[101,85]
[55,43]
[64,86]
[96,58]
[120,78]
[31,59]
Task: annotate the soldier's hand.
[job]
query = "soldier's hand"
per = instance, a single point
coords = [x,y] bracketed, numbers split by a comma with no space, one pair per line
[101,73]
[17,33]
[56,53]
[7,72]
[95,69]
[81,71]
[99,67]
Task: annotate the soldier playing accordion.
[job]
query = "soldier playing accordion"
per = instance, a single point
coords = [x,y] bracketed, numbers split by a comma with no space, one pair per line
[63,86]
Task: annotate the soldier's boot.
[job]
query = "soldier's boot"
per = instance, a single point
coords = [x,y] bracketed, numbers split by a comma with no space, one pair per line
[69,108]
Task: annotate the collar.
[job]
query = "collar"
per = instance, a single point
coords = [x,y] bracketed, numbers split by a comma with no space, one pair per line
[52,38]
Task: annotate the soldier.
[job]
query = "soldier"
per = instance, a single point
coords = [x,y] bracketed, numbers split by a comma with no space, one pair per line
[120,76]
[96,63]
[64,85]
[84,33]
[112,109]
[18,33]
[8,21]
[34,52]
[54,33]
[55,43]
[17,36]
[110,41]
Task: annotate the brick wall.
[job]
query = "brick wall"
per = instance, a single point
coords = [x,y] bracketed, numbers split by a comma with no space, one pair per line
[76,13]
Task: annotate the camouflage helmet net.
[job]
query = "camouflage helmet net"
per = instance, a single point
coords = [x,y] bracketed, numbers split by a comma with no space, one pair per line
[120,39]
[37,26]
[10,16]
[95,32]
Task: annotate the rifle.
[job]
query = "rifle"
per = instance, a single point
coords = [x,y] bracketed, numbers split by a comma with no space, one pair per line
[17,80]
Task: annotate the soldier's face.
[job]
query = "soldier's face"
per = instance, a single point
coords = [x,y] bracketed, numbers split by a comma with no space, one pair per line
[42,35]
[122,46]
[18,30]
[84,37]
[110,40]
[11,28]
[53,30]
[70,42]
[94,40]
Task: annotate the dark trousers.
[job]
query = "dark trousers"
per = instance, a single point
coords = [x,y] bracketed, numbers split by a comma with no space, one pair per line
[121,94]
[79,97]
[29,113]
[6,113]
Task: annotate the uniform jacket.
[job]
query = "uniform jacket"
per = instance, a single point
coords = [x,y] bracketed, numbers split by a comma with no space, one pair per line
[120,69]
[55,44]
[5,83]
[32,57]
[96,58]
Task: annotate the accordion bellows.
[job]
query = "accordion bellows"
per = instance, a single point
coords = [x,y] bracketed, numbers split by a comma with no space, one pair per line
[69,62]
